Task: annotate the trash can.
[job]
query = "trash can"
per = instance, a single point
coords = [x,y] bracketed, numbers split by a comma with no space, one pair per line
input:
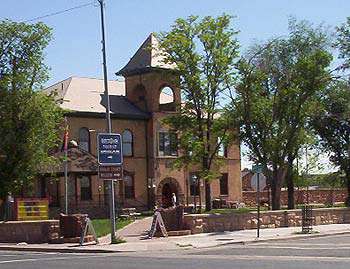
[307,219]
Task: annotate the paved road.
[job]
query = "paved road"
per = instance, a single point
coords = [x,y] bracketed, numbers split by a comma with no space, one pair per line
[321,253]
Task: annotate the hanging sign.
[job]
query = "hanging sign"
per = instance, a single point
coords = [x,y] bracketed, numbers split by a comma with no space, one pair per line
[109,149]
[110,172]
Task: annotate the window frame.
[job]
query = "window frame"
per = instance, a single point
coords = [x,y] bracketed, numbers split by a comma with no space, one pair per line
[131,143]
[85,197]
[166,136]
[222,185]
[88,139]
[132,193]
[222,149]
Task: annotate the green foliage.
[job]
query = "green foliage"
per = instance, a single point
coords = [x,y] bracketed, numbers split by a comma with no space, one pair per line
[343,43]
[29,119]
[103,226]
[281,81]
[205,53]
[332,123]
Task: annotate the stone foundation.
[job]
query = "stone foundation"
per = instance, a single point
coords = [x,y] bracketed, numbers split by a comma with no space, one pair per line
[206,223]
[41,231]
[320,196]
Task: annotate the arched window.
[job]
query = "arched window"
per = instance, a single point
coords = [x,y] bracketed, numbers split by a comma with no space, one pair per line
[84,139]
[129,186]
[166,95]
[166,99]
[127,139]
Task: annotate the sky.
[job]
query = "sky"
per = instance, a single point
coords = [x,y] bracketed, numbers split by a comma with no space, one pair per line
[76,46]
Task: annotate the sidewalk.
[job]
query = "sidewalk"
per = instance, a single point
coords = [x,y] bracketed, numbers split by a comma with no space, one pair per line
[205,240]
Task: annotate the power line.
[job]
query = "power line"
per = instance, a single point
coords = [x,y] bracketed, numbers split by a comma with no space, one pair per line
[60,12]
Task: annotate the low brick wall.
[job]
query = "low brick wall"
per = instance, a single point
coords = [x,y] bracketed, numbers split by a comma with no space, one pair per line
[269,219]
[320,196]
[43,231]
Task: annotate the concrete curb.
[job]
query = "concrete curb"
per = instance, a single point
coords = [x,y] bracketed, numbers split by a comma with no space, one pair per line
[94,250]
[58,250]
[255,241]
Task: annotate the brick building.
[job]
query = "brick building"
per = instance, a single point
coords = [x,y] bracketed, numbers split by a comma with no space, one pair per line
[138,104]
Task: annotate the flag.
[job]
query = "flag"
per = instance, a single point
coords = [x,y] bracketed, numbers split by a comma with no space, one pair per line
[65,136]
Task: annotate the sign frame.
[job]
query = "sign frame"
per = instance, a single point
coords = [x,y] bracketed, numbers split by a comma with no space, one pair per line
[262,182]
[114,175]
[120,149]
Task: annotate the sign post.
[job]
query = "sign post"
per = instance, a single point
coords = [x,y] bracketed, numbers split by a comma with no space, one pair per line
[110,160]
[257,169]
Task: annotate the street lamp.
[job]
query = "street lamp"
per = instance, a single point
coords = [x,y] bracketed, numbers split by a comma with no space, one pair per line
[194,182]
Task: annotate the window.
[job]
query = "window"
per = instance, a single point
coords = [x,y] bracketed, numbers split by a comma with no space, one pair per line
[127,139]
[85,188]
[222,150]
[84,139]
[129,187]
[224,184]
[167,144]
[194,186]
[166,99]
[166,95]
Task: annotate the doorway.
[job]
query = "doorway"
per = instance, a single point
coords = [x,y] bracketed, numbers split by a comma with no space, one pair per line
[167,192]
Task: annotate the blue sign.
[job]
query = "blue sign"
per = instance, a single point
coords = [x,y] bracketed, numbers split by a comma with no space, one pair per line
[257,168]
[109,149]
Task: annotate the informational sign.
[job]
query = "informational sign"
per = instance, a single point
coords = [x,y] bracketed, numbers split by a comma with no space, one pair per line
[110,172]
[254,182]
[32,209]
[157,222]
[88,227]
[109,149]
[257,168]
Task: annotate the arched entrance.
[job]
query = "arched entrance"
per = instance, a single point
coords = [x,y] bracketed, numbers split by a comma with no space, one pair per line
[165,190]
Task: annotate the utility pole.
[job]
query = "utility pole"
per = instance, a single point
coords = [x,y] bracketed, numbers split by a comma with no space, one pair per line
[108,119]
[65,148]
[307,174]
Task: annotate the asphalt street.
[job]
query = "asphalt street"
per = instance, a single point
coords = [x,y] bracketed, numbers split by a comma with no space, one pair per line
[324,252]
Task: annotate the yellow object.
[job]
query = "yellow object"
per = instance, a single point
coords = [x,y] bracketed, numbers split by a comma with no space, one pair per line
[32,209]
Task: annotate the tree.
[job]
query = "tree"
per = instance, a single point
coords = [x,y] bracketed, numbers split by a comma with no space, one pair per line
[332,123]
[204,52]
[343,43]
[278,91]
[29,119]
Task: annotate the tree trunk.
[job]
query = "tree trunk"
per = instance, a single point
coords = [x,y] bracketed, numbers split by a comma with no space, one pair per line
[290,184]
[207,186]
[347,202]
[276,184]
[207,196]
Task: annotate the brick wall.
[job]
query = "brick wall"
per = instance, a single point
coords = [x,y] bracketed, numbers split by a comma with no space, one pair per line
[320,196]
[43,231]
[269,219]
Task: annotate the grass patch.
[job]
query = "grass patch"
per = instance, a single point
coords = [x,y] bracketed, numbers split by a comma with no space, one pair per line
[118,240]
[103,226]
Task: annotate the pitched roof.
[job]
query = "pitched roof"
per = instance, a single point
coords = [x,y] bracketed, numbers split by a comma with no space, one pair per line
[79,161]
[148,56]
[86,96]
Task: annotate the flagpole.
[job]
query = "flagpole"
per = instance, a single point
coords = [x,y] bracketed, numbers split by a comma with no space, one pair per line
[109,124]
[66,165]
